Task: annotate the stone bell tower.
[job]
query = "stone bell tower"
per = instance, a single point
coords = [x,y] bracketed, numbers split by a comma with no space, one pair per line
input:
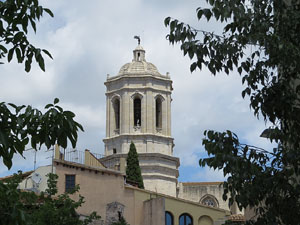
[138,110]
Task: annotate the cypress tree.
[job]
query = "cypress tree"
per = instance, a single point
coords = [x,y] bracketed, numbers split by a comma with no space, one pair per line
[133,170]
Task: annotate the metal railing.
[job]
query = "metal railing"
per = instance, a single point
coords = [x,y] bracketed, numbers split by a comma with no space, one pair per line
[76,156]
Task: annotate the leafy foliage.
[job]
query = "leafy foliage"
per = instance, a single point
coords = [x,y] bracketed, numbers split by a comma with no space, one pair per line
[22,207]
[267,180]
[122,221]
[16,17]
[229,222]
[13,202]
[20,125]
[133,170]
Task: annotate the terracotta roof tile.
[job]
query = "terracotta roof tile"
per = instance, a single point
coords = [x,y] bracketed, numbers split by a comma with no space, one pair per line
[236,217]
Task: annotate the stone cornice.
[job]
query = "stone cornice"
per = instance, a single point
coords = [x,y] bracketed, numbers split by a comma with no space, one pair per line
[158,167]
[141,135]
[138,75]
[144,155]
[108,93]
[161,177]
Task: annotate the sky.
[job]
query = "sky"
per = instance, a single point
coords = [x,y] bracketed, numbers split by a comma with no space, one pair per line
[90,39]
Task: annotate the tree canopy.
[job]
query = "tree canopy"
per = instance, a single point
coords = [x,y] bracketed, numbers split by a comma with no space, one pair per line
[16,18]
[133,170]
[24,126]
[265,179]
[21,125]
[24,207]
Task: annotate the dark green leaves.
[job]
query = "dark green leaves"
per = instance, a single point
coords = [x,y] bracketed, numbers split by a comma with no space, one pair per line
[20,124]
[261,41]
[25,207]
[15,19]
[133,170]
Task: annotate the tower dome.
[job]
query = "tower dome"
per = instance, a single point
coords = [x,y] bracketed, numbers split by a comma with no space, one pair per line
[139,65]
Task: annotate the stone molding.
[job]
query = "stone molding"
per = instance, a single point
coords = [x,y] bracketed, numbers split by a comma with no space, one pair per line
[143,156]
[165,91]
[158,168]
[138,74]
[137,135]
[160,177]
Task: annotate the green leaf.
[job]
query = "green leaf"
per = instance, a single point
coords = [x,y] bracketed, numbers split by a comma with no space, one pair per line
[48,53]
[49,12]
[41,63]
[27,65]
[193,66]
[19,55]
[3,49]
[18,36]
[10,54]
[167,21]
[56,100]
[48,106]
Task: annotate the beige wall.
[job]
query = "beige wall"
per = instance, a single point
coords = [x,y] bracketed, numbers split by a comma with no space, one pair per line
[28,184]
[102,186]
[195,191]
[99,189]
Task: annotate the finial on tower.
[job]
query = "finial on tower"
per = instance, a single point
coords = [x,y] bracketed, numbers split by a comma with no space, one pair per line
[138,38]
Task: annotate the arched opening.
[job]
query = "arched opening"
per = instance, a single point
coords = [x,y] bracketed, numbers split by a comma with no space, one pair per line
[158,113]
[117,113]
[185,219]
[205,220]
[169,219]
[139,56]
[137,112]
[209,200]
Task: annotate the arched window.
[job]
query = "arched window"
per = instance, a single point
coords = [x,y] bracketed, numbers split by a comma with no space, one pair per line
[117,113]
[137,111]
[158,113]
[209,200]
[169,220]
[185,219]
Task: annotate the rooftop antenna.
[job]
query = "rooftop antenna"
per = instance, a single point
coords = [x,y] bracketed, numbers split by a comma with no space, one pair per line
[51,149]
[138,38]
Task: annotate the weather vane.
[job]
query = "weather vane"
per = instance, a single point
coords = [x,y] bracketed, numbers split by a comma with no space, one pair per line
[138,38]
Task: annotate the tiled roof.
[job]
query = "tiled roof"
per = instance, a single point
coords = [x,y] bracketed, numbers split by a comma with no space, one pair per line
[236,217]
[25,174]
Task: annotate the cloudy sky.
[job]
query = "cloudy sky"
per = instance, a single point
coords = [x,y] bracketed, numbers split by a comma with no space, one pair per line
[90,39]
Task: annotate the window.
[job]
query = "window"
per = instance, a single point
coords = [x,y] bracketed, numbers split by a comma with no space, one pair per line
[137,111]
[117,113]
[185,219]
[70,182]
[209,201]
[169,218]
[114,151]
[158,113]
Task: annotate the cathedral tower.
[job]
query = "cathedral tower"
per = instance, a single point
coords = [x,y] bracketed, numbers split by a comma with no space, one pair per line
[138,110]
